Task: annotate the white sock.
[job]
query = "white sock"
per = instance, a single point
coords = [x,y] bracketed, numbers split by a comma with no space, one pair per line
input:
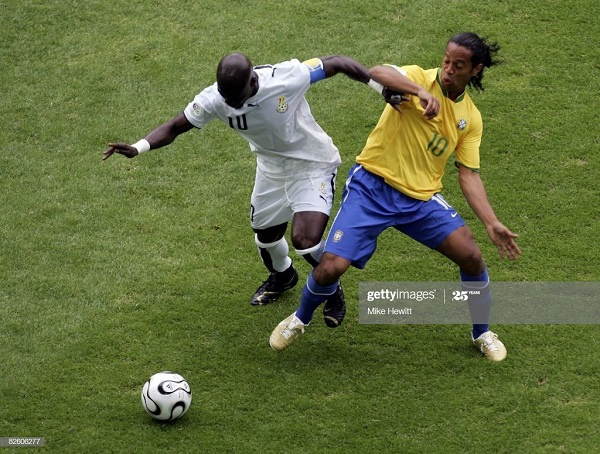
[312,255]
[274,255]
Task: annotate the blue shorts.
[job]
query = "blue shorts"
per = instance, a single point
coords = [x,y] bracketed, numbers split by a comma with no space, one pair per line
[370,205]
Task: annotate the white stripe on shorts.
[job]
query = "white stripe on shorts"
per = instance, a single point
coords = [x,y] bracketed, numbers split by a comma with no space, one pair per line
[348,180]
[439,199]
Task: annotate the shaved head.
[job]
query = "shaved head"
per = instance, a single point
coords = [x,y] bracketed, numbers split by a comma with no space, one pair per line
[234,75]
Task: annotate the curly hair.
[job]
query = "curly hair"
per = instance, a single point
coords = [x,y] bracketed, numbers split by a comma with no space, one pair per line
[483,52]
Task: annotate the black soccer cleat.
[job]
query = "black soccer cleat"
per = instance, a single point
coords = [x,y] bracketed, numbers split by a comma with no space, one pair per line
[274,286]
[335,308]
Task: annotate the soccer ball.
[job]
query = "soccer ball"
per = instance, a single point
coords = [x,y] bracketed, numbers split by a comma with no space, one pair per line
[166,396]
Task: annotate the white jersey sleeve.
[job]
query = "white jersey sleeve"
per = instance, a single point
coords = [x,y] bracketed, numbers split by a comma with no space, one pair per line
[202,109]
[277,122]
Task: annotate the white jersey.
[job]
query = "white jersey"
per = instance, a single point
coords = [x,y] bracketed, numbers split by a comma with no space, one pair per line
[276,121]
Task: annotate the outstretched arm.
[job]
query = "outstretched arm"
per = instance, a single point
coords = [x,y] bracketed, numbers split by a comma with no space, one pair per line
[474,191]
[161,136]
[335,64]
[395,80]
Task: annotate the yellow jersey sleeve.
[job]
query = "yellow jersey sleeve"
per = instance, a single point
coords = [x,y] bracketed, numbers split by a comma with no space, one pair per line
[410,152]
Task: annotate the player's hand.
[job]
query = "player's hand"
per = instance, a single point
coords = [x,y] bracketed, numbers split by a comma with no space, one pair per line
[429,103]
[504,240]
[394,98]
[120,148]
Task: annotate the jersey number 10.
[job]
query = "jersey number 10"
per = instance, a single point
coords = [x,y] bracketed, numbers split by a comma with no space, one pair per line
[437,145]
[242,125]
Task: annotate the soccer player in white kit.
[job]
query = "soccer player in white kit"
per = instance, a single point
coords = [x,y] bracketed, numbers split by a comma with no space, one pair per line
[296,160]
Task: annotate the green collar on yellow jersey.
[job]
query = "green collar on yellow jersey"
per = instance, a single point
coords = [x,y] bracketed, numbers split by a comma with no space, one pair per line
[439,81]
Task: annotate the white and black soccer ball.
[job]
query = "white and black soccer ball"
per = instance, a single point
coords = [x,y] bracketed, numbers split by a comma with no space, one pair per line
[166,396]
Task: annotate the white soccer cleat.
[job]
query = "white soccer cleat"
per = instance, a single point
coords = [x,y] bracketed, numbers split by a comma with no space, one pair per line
[286,332]
[490,346]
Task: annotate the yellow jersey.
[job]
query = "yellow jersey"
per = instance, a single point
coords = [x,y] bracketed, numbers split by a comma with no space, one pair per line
[410,152]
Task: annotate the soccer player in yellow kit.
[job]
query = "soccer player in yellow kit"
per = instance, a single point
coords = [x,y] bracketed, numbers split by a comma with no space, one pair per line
[397,180]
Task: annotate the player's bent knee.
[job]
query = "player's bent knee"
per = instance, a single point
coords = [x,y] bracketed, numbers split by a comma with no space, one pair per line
[472,261]
[330,269]
[305,242]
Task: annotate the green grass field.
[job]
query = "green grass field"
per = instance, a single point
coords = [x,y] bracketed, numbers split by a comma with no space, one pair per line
[110,272]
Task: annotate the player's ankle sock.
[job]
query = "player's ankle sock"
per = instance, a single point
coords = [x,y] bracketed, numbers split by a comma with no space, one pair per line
[288,274]
[479,329]
[479,301]
[313,295]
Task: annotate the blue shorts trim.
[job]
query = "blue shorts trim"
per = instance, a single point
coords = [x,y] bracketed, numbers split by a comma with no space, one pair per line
[370,205]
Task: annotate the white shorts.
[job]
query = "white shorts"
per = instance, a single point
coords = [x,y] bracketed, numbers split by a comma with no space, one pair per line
[274,202]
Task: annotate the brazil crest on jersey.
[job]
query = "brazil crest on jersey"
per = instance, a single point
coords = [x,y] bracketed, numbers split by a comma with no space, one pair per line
[410,152]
